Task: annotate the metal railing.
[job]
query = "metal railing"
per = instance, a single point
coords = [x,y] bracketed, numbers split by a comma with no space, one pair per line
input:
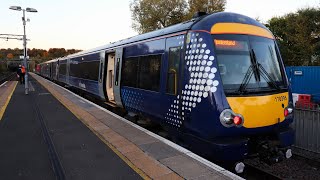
[307,127]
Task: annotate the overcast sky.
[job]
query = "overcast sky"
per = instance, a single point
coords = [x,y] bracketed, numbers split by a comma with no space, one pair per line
[85,24]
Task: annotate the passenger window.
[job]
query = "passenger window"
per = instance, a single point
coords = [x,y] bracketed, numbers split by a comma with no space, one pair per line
[62,69]
[173,70]
[149,72]
[86,70]
[130,72]
[142,72]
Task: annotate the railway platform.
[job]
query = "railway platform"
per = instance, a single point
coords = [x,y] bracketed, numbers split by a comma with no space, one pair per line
[53,133]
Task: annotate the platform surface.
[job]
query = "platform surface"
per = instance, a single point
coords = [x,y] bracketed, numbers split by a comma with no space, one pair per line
[24,152]
[91,142]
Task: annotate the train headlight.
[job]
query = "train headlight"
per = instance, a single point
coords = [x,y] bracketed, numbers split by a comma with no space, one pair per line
[228,118]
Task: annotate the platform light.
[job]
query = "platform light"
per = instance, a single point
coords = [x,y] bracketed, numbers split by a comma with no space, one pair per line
[18,8]
[31,10]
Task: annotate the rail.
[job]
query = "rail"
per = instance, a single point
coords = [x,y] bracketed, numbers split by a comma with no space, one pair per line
[7,77]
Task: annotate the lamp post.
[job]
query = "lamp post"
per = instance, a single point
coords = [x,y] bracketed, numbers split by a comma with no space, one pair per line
[18,8]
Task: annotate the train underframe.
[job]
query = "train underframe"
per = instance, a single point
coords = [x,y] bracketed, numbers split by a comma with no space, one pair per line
[232,151]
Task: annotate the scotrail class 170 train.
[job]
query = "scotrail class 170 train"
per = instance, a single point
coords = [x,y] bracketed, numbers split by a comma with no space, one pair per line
[216,82]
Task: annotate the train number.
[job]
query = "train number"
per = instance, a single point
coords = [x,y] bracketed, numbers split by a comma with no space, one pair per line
[280,98]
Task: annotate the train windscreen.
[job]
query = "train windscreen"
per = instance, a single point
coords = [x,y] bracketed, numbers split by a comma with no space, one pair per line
[248,64]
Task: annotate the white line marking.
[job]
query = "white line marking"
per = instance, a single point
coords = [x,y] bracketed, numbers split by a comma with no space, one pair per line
[31,88]
[173,145]
[3,83]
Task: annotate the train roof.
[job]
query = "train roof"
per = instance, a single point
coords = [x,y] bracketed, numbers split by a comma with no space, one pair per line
[161,32]
[202,23]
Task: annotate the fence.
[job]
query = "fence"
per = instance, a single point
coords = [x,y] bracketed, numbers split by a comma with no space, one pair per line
[307,128]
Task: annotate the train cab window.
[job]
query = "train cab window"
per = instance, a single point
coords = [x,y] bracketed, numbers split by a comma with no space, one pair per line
[248,61]
[173,70]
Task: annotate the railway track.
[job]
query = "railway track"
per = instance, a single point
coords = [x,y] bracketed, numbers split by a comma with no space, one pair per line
[7,77]
[253,172]
[297,167]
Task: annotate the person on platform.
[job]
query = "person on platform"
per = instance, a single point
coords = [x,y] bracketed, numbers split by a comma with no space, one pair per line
[21,72]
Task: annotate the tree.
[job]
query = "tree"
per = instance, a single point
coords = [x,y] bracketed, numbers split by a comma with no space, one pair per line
[298,36]
[57,52]
[10,56]
[149,15]
[45,54]
[209,6]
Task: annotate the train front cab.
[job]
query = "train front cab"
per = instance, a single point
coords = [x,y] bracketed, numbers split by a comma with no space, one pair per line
[256,90]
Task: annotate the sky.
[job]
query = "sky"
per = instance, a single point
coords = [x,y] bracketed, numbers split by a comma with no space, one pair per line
[86,24]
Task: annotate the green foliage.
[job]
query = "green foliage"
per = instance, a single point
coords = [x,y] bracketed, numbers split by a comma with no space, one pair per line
[149,15]
[3,67]
[298,36]
[209,6]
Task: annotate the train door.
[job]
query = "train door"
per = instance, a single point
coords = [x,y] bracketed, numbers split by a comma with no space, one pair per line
[68,72]
[101,75]
[57,71]
[174,76]
[110,76]
[50,71]
[117,76]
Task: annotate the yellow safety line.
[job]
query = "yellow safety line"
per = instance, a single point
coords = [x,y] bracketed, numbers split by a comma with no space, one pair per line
[125,159]
[4,107]
[115,150]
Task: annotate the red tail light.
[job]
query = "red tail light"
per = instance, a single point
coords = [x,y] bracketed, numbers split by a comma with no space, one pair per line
[286,112]
[229,119]
[237,120]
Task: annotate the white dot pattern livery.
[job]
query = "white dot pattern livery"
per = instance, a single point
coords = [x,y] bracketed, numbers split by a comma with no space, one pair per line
[199,61]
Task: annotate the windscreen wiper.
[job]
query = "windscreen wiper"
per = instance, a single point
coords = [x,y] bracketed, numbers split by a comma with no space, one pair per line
[246,79]
[264,73]
[267,77]
[253,69]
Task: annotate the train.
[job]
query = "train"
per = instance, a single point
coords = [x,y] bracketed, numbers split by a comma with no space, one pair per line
[216,83]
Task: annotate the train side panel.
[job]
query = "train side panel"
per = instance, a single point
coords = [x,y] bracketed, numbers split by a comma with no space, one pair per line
[84,73]
[142,79]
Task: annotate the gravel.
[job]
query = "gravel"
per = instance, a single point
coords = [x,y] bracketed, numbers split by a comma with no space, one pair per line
[296,167]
